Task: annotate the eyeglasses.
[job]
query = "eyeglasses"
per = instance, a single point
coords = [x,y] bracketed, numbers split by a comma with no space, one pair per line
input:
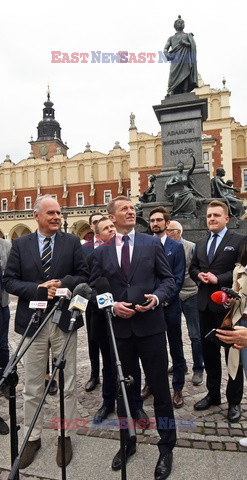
[152,220]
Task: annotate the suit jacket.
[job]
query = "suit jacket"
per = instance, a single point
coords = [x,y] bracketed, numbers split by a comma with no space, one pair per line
[24,272]
[5,248]
[175,255]
[149,273]
[222,266]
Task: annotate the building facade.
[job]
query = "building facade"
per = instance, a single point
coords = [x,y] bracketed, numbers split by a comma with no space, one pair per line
[85,183]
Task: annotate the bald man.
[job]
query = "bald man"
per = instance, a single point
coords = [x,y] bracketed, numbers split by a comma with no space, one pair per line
[188,300]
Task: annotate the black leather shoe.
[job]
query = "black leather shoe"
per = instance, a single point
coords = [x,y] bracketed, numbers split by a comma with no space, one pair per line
[103,413]
[146,392]
[234,413]
[4,429]
[53,387]
[116,462]
[142,419]
[164,466]
[206,402]
[92,384]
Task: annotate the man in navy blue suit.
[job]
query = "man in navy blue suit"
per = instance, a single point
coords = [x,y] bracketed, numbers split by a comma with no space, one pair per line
[159,219]
[93,346]
[137,270]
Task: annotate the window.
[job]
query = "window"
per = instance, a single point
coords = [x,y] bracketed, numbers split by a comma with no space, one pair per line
[27,203]
[79,199]
[4,204]
[128,193]
[107,196]
[205,156]
[245,179]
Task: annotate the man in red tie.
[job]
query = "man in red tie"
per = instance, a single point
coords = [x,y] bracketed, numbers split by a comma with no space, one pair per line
[137,271]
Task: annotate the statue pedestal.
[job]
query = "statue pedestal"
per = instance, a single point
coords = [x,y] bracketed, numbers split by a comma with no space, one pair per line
[181,117]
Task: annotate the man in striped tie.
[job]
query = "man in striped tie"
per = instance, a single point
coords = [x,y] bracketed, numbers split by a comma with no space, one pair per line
[44,258]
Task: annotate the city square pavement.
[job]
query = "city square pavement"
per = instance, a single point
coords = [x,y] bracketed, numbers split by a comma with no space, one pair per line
[207,445]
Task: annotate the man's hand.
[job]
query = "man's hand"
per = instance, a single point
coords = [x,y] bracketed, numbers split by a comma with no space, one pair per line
[208,278]
[51,285]
[151,304]
[121,309]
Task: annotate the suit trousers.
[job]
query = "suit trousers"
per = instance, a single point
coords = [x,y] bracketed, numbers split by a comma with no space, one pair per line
[153,354]
[35,363]
[173,317]
[212,361]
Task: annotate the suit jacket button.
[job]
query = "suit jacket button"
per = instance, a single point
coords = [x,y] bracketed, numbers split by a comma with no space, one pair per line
[128,285]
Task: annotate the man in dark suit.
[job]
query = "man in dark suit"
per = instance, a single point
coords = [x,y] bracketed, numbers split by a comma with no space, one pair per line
[159,219]
[42,259]
[137,270]
[97,330]
[93,346]
[211,267]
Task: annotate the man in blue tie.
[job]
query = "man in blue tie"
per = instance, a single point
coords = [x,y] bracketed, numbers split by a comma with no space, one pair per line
[44,258]
[211,268]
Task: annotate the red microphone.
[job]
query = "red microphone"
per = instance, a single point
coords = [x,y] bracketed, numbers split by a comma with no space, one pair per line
[220,297]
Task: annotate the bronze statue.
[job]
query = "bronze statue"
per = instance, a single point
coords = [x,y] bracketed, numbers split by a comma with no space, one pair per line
[150,194]
[222,189]
[181,190]
[180,50]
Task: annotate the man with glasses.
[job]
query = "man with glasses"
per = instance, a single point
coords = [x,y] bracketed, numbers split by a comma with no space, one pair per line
[188,300]
[159,219]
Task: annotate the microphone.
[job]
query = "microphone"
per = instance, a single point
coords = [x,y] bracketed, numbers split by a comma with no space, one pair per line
[219,297]
[78,304]
[104,298]
[64,293]
[67,284]
[40,304]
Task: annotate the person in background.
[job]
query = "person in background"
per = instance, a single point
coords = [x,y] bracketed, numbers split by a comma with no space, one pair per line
[159,219]
[4,345]
[188,300]
[238,337]
[211,267]
[93,346]
[4,327]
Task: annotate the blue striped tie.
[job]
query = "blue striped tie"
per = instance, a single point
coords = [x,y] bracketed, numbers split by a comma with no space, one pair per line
[211,251]
[46,256]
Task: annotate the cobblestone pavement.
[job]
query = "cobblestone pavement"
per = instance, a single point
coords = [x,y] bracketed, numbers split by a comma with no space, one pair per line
[209,430]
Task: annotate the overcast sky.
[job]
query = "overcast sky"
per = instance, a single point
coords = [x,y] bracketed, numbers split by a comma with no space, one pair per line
[93,101]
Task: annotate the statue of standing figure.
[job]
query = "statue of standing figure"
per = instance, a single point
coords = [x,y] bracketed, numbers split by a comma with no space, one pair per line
[180,50]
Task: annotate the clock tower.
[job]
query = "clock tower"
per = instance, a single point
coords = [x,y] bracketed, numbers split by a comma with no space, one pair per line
[49,142]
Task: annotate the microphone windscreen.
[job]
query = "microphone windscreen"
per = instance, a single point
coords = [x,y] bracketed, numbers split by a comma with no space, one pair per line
[102,285]
[83,290]
[42,294]
[219,297]
[67,282]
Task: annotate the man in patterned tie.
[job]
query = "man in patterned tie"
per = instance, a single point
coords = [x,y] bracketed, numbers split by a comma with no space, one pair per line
[143,276]
[44,258]
[211,267]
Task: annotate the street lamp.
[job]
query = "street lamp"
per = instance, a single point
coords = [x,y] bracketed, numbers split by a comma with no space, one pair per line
[65,223]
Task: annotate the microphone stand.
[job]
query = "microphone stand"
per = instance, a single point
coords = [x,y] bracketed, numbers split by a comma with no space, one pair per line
[59,363]
[122,399]
[10,377]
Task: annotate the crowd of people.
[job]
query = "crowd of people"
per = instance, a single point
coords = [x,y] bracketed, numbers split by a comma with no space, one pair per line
[153,280]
